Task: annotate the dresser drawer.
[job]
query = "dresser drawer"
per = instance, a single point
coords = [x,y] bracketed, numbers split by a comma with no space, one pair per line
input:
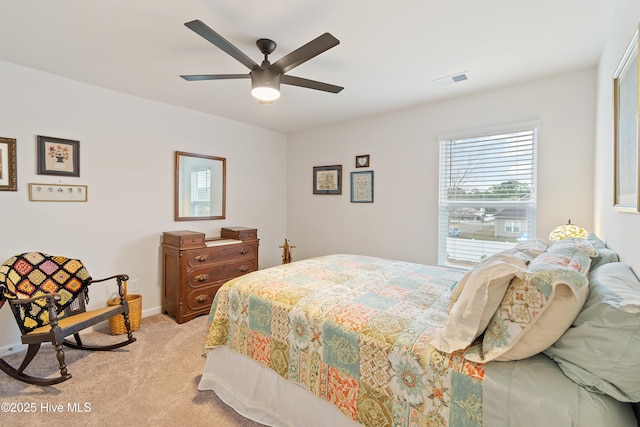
[224,253]
[184,239]
[201,299]
[224,272]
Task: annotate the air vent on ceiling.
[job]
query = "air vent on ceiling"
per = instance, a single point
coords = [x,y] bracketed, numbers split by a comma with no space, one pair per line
[449,80]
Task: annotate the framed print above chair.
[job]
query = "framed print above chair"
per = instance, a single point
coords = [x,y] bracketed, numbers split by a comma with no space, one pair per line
[57,156]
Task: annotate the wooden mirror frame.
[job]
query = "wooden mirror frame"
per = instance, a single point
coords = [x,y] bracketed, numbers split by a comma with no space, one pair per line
[215,206]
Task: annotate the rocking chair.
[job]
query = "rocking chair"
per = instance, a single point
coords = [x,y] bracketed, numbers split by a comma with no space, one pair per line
[47,296]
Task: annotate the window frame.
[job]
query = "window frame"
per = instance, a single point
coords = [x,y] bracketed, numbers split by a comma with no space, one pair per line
[525,227]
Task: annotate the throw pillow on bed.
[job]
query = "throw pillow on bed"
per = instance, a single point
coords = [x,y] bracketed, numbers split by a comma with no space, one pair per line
[601,350]
[481,294]
[539,307]
[526,250]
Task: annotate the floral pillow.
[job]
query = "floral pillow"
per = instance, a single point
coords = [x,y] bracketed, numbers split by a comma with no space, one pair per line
[527,251]
[539,307]
[484,288]
[574,243]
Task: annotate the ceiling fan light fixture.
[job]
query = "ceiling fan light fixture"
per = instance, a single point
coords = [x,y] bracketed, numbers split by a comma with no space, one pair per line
[265,84]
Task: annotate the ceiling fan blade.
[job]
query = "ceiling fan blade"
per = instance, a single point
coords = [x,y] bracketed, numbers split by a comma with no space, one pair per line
[195,77]
[310,84]
[207,33]
[304,53]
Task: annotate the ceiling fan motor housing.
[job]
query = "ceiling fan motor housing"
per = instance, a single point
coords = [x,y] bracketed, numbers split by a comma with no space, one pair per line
[265,83]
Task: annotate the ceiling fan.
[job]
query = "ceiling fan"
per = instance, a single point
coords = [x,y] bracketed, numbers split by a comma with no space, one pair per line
[267,77]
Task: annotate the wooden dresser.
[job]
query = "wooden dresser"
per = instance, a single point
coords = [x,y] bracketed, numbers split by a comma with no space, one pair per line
[193,268]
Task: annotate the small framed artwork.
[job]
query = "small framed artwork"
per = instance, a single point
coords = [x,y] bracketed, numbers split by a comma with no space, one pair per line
[362,187]
[8,172]
[57,193]
[362,161]
[327,179]
[58,156]
[626,96]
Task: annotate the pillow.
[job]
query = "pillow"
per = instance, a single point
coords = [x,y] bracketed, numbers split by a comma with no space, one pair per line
[481,294]
[537,308]
[458,287]
[600,351]
[526,250]
[530,248]
[573,242]
[595,241]
[605,255]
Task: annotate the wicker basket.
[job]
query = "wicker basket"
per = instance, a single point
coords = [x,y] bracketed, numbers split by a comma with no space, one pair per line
[116,323]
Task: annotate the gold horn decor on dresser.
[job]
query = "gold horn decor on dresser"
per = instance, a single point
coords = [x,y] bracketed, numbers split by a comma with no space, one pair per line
[286,251]
[194,267]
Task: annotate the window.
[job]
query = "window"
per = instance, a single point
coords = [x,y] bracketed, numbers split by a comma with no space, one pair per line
[512,226]
[487,195]
[201,192]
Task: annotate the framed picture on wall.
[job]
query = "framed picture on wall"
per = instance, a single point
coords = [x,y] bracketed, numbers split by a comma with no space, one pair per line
[362,187]
[58,156]
[8,173]
[327,179]
[57,193]
[362,161]
[626,97]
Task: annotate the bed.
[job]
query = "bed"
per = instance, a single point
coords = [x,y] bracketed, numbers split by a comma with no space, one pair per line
[349,340]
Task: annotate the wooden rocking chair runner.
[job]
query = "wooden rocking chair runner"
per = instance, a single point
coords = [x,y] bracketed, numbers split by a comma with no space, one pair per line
[47,296]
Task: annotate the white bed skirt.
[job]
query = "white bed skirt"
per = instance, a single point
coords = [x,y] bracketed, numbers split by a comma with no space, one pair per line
[263,396]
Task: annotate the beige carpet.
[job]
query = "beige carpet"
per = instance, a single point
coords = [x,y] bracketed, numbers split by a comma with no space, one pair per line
[150,382]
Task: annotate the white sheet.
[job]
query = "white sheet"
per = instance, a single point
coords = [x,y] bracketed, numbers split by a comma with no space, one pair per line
[263,396]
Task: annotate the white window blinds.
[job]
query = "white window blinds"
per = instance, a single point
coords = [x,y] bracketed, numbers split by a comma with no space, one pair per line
[487,195]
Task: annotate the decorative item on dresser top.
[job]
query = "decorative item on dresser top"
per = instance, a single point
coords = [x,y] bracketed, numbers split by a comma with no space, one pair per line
[193,267]
[286,251]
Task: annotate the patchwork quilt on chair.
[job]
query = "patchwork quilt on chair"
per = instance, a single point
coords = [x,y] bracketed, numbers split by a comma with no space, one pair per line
[33,274]
[355,331]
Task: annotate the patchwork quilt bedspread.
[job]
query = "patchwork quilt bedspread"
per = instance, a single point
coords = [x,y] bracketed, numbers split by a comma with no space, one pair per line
[355,331]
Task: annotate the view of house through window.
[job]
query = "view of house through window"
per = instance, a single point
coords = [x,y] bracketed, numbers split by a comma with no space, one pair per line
[487,195]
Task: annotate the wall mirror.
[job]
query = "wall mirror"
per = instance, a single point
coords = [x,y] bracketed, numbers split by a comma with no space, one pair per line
[200,187]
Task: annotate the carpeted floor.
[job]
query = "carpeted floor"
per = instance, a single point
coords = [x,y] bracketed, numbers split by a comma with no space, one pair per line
[150,382]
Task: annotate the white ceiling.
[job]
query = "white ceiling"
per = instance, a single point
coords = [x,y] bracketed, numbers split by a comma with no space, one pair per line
[389,54]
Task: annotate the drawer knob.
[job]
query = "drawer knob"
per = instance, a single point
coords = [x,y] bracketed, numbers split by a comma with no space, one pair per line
[201,258]
[202,298]
[202,277]
[244,251]
[243,268]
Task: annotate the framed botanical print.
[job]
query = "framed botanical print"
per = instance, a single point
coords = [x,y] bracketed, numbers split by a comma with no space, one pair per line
[362,187]
[8,172]
[57,156]
[327,179]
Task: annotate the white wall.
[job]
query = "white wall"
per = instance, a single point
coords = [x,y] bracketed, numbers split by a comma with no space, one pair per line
[127,147]
[621,231]
[402,222]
